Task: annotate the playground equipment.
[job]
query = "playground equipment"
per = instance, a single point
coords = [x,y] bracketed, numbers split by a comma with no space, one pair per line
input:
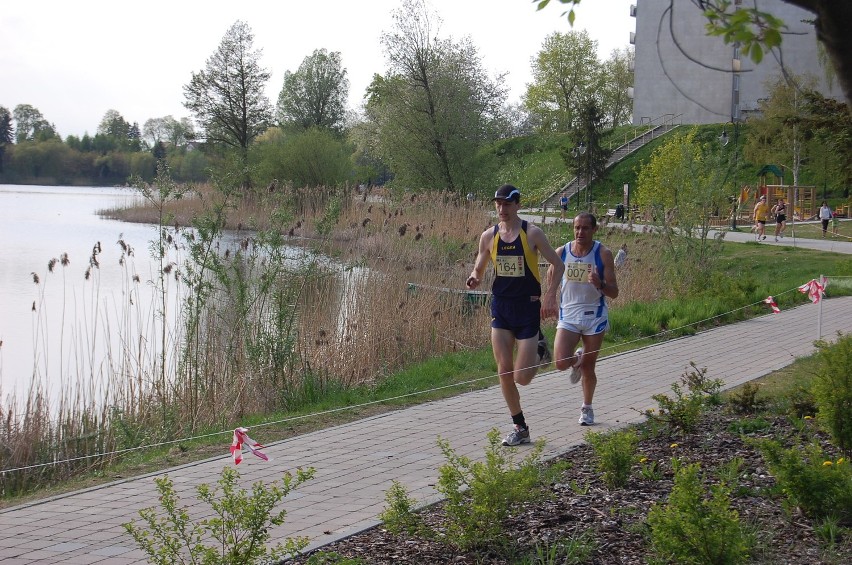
[800,199]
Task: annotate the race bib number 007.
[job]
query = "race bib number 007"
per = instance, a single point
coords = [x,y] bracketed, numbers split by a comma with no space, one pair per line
[510,266]
[577,272]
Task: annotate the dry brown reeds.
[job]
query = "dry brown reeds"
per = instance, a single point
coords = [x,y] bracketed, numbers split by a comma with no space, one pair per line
[255,337]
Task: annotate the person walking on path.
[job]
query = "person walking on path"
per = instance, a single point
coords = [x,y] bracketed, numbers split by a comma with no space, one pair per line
[761,212]
[563,203]
[780,213]
[517,303]
[589,279]
[825,215]
[621,256]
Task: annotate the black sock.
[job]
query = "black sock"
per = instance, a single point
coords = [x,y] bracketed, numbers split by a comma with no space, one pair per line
[540,334]
[518,420]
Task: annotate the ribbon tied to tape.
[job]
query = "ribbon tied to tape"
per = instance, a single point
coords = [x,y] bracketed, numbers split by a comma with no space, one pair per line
[814,289]
[241,439]
[771,301]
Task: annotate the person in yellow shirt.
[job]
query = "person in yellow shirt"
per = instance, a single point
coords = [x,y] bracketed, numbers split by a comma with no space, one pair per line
[761,213]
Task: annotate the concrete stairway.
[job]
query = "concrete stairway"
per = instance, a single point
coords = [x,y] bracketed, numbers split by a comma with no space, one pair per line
[655,128]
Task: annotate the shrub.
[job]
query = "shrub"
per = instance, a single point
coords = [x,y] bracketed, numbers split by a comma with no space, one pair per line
[682,412]
[399,515]
[812,481]
[744,400]
[616,453]
[238,532]
[693,528]
[832,390]
[480,495]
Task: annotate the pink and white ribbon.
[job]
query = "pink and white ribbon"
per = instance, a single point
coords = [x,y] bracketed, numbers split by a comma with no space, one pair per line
[771,301]
[814,289]
[241,438]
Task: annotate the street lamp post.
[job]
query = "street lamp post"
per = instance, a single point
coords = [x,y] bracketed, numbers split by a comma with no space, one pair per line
[578,152]
[723,140]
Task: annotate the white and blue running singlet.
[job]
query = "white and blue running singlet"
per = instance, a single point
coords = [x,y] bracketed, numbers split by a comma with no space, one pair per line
[580,302]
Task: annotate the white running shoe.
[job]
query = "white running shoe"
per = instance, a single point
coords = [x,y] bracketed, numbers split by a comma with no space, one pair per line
[575,370]
[587,416]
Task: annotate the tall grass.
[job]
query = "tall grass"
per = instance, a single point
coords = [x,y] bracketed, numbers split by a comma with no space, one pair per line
[235,327]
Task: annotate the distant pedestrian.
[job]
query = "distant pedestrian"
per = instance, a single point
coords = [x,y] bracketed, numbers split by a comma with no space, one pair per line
[760,214]
[825,215]
[780,213]
[517,303]
[621,256]
[563,204]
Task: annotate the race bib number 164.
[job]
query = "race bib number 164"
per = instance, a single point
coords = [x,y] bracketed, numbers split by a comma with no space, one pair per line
[510,266]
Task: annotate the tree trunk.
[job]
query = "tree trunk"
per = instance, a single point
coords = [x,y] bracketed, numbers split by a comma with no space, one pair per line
[832,21]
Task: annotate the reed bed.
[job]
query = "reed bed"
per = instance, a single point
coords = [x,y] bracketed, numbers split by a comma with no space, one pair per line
[233,329]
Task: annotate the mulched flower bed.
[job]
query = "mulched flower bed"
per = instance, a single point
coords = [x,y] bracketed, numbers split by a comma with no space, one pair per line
[580,506]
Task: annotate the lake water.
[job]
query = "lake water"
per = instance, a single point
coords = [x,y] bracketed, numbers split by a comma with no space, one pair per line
[39,326]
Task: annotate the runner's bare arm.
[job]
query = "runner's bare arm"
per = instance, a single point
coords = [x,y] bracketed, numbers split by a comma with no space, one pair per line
[482,257]
[549,304]
[606,281]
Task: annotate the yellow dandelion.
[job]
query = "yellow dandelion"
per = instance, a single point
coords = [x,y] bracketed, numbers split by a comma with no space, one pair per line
[643,460]
[839,461]
[673,445]
[809,417]
[827,463]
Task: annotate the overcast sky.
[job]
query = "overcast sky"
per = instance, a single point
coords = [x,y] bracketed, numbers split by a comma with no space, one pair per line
[73,61]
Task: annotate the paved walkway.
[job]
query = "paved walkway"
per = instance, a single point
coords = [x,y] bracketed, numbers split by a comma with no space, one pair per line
[356,462]
[836,244]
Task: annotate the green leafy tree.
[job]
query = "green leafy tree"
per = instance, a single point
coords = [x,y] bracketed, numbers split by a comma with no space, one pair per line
[589,130]
[615,104]
[312,158]
[777,136]
[369,167]
[6,133]
[315,95]
[832,122]
[683,186]
[227,97]
[435,107]
[565,73]
[117,133]
[30,125]
[169,131]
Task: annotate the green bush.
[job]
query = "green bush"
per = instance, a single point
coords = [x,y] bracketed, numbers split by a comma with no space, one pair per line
[399,515]
[236,534]
[744,400]
[812,481]
[616,453]
[832,390]
[691,394]
[695,529]
[480,495]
